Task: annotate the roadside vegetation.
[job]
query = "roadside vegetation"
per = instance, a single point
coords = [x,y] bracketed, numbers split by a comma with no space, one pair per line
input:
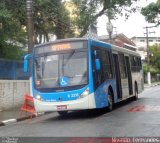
[51,17]
[151,13]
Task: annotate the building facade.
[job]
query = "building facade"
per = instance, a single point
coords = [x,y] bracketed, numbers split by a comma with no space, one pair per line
[119,40]
[141,43]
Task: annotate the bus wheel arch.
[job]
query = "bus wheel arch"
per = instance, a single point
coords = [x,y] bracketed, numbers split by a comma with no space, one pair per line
[135,90]
[110,98]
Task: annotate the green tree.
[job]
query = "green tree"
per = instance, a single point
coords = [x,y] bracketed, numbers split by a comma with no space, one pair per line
[89,10]
[151,12]
[154,60]
[12,35]
[155,56]
[49,16]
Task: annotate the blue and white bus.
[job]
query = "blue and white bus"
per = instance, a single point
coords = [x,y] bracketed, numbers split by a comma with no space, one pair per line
[82,73]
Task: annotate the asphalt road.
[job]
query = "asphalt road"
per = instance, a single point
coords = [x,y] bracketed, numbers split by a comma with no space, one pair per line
[139,118]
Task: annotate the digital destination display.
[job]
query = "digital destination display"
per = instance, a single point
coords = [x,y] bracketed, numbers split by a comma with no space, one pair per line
[60,47]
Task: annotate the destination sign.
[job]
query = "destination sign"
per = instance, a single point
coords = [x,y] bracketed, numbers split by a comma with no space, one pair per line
[59,47]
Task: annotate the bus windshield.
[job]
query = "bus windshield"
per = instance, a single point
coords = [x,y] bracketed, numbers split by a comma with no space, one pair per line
[61,70]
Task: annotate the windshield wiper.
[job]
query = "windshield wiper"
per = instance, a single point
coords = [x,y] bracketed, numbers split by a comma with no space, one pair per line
[69,58]
[63,64]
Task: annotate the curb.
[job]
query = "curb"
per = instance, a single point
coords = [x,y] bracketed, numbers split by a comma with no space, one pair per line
[10,121]
[7,122]
[151,85]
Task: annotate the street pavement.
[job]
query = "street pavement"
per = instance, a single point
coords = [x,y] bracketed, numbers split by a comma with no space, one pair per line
[14,113]
[10,113]
[139,118]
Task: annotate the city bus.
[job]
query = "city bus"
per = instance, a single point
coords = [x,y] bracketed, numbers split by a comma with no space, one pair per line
[82,73]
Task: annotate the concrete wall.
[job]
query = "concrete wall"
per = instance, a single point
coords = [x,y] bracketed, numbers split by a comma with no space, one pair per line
[12,93]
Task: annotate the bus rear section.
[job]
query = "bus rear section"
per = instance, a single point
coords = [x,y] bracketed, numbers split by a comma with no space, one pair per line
[61,76]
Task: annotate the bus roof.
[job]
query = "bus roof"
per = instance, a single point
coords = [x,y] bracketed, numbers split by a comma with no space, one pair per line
[114,47]
[124,50]
[118,49]
[61,40]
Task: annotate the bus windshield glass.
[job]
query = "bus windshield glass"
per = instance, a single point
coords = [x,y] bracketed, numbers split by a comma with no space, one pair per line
[61,69]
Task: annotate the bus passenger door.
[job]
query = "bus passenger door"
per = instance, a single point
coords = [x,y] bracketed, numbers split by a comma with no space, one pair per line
[118,76]
[129,75]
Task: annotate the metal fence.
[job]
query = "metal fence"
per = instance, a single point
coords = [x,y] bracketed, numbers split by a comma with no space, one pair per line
[12,70]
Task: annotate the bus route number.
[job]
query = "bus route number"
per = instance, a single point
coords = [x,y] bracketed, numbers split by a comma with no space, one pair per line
[73,95]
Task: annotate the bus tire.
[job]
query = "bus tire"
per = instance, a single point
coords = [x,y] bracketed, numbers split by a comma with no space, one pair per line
[136,91]
[62,113]
[110,101]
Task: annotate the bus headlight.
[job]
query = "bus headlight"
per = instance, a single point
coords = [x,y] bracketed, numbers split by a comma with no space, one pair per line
[38,97]
[85,93]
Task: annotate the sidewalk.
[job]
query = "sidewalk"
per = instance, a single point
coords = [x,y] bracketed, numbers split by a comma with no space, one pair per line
[151,85]
[13,115]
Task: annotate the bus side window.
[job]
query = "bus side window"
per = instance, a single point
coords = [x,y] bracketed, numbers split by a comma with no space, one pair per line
[106,71]
[100,72]
[95,74]
[106,59]
[109,68]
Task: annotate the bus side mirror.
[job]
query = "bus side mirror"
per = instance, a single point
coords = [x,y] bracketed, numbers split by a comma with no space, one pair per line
[98,65]
[25,65]
[26,59]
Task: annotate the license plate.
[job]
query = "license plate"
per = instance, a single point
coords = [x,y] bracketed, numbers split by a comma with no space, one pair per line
[62,107]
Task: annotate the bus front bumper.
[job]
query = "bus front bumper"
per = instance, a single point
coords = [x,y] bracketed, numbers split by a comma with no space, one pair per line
[87,102]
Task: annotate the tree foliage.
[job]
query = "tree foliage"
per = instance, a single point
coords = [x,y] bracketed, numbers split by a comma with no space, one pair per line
[49,17]
[155,56]
[151,12]
[12,35]
[154,60]
[88,11]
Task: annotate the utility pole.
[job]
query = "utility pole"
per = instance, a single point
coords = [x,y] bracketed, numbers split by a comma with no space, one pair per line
[148,54]
[1,26]
[109,24]
[30,29]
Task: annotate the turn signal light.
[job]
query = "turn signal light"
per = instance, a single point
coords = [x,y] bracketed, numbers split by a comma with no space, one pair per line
[85,93]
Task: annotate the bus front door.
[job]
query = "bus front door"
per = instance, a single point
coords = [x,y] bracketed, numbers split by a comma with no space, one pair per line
[118,76]
[129,75]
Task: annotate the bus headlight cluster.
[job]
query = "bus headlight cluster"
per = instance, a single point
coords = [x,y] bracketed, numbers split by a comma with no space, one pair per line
[85,93]
[38,97]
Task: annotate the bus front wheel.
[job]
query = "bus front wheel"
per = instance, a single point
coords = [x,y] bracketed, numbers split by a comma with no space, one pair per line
[136,91]
[110,101]
[62,113]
